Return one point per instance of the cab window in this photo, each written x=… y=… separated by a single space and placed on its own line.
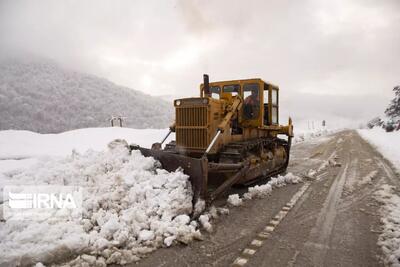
x=233 y=89
x=215 y=92
x=274 y=97
x=266 y=102
x=251 y=105
x=275 y=107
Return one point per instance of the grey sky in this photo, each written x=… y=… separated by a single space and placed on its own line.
x=331 y=58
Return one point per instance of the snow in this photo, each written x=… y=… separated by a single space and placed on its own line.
x=205 y=222
x=199 y=207
x=368 y=178
x=388 y=144
x=21 y=149
x=130 y=207
x=38 y=95
x=26 y=144
x=234 y=200
x=14 y=164
x=262 y=191
x=316 y=135
x=389 y=239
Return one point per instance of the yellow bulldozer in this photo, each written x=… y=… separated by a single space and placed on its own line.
x=229 y=135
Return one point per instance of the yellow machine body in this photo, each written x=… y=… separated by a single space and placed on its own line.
x=228 y=135
x=197 y=119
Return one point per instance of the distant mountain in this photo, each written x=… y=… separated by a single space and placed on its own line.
x=40 y=96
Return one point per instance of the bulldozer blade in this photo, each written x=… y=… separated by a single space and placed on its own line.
x=196 y=169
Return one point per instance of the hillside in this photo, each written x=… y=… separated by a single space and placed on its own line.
x=40 y=96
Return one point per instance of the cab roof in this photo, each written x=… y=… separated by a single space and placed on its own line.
x=242 y=81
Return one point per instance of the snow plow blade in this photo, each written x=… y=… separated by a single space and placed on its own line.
x=196 y=169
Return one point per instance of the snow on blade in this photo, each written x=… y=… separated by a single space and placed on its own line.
x=130 y=207
x=389 y=239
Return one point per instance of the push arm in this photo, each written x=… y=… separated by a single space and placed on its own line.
x=237 y=103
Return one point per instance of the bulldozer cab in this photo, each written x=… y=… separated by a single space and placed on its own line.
x=260 y=100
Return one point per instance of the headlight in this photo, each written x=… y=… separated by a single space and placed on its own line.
x=177 y=102
x=205 y=101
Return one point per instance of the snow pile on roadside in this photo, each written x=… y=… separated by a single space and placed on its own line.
x=261 y=191
x=130 y=207
x=309 y=135
x=388 y=144
x=389 y=239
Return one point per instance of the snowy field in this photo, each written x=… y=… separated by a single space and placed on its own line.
x=26 y=144
x=22 y=149
x=130 y=205
x=388 y=144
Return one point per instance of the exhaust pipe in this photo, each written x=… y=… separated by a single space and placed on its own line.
x=206 y=83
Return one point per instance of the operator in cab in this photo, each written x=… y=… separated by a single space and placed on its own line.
x=251 y=105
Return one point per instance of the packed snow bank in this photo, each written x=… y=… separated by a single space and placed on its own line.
x=261 y=191
x=301 y=136
x=130 y=207
x=389 y=239
x=25 y=144
x=388 y=144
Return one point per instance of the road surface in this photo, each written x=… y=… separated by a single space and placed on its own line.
x=331 y=219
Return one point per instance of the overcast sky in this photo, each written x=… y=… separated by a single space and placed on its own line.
x=333 y=58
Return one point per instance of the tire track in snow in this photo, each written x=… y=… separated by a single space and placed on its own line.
x=261 y=237
x=318 y=243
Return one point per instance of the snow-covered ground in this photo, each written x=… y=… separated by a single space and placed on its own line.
x=301 y=135
x=22 y=149
x=388 y=144
x=130 y=205
x=26 y=144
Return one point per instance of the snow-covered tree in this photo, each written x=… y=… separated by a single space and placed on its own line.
x=393 y=110
x=38 y=95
